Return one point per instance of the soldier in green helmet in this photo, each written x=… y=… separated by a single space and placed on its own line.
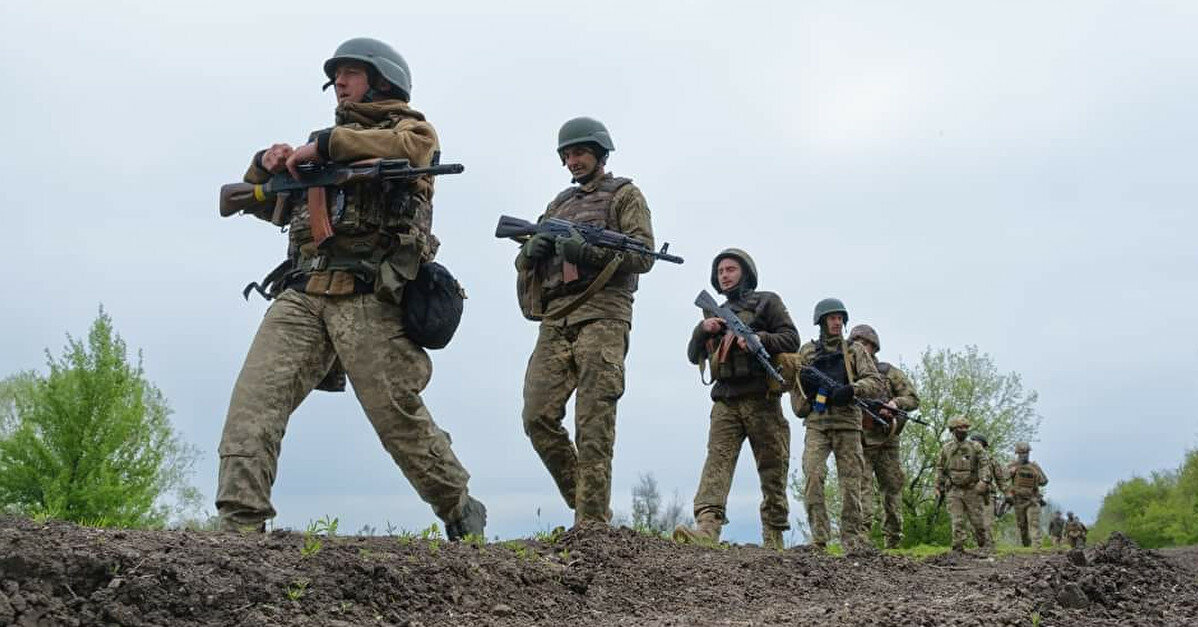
x=587 y=314
x=833 y=421
x=341 y=301
x=999 y=486
x=745 y=405
x=963 y=476
x=1025 y=479
x=881 y=445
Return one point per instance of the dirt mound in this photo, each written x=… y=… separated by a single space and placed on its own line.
x=61 y=574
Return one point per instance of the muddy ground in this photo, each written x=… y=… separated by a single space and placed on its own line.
x=61 y=574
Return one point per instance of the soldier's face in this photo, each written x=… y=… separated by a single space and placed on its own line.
x=351 y=81
x=835 y=323
x=727 y=274
x=580 y=161
x=960 y=433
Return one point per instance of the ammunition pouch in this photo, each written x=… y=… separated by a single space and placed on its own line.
x=432 y=306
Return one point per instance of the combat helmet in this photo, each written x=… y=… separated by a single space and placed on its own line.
x=585 y=130
x=827 y=306
x=748 y=269
x=865 y=332
x=980 y=439
x=958 y=422
x=1022 y=447
x=378 y=55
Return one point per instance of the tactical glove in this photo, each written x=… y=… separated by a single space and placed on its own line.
x=573 y=248
x=538 y=246
x=842 y=395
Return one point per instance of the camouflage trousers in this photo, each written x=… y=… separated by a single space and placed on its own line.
x=1027 y=518
x=965 y=506
x=758 y=419
x=845 y=445
x=295 y=345
x=586 y=360
x=988 y=501
x=882 y=462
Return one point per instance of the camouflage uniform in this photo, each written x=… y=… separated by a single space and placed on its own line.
x=835 y=431
x=329 y=307
x=1075 y=533
x=1026 y=479
x=881 y=450
x=583 y=352
x=963 y=465
x=989 y=499
x=744 y=406
x=1056 y=528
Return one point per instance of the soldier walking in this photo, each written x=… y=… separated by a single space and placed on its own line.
x=1026 y=478
x=1075 y=532
x=342 y=301
x=989 y=500
x=1056 y=528
x=833 y=421
x=582 y=294
x=881 y=446
x=745 y=406
x=963 y=477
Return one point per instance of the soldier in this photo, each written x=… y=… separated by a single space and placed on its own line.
x=583 y=335
x=881 y=446
x=833 y=421
x=744 y=406
x=1056 y=528
x=1026 y=478
x=989 y=501
x=341 y=301
x=1075 y=532
x=963 y=476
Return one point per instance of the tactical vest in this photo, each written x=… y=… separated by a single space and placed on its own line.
x=382 y=233
x=595 y=208
x=963 y=465
x=734 y=363
x=1026 y=479
x=832 y=363
x=884 y=370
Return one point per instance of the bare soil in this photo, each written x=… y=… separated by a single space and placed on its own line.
x=61 y=574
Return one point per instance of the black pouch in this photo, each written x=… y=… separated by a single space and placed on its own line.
x=432 y=306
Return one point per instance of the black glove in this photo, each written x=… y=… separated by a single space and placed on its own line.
x=538 y=246
x=572 y=248
x=810 y=382
x=842 y=395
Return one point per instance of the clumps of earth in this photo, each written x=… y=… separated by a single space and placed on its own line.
x=55 y=573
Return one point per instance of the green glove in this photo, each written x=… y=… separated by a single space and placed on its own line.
x=538 y=246
x=573 y=248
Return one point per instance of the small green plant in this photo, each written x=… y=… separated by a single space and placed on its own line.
x=431 y=532
x=405 y=537
x=344 y=606
x=564 y=555
x=391 y=528
x=297 y=588
x=475 y=539
x=1036 y=618
x=312 y=541
x=549 y=537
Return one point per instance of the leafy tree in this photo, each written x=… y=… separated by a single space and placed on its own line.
x=1157 y=511
x=92 y=442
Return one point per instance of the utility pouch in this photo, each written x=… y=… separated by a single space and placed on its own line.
x=330 y=283
x=400 y=267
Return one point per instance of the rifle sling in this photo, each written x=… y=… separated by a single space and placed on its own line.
x=599 y=283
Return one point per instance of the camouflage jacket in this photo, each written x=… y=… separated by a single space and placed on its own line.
x=1025 y=480
x=739 y=373
x=863 y=375
x=962 y=465
x=900 y=390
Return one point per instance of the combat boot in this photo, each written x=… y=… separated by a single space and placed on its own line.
x=771 y=538
x=706 y=531
x=472 y=522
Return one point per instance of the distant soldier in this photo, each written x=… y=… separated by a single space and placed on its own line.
x=1075 y=532
x=583 y=298
x=745 y=407
x=833 y=421
x=1026 y=479
x=1056 y=528
x=963 y=476
x=881 y=446
x=990 y=501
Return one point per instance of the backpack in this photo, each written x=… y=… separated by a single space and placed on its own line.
x=432 y=306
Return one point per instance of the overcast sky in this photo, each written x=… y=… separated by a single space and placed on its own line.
x=1015 y=175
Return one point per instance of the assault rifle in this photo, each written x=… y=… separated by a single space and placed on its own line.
x=741 y=330
x=314 y=178
x=877 y=405
x=830 y=384
x=518 y=229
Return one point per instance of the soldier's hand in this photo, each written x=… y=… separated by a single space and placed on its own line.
x=885 y=410
x=713 y=325
x=982 y=488
x=743 y=343
x=571 y=248
x=304 y=154
x=274 y=159
x=538 y=246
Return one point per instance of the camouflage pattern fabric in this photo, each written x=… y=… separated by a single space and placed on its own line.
x=845 y=445
x=760 y=420
x=294 y=347
x=883 y=462
x=586 y=360
x=990 y=498
x=1026 y=480
x=1027 y=518
x=1075 y=533
x=867 y=383
x=1056 y=529
x=965 y=505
